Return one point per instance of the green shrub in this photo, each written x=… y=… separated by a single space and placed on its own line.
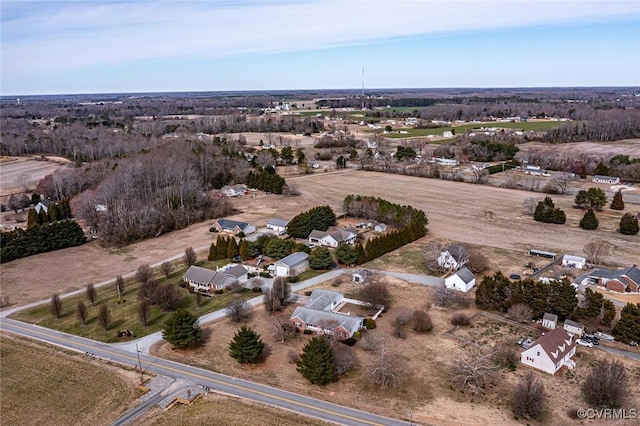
x=370 y=323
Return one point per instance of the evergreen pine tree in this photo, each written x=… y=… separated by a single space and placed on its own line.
x=212 y=252
x=232 y=248
x=316 y=362
x=221 y=248
x=182 y=329
x=246 y=346
x=244 y=249
x=627 y=328
x=361 y=256
x=320 y=258
x=589 y=220
x=32 y=219
x=629 y=224
x=617 y=203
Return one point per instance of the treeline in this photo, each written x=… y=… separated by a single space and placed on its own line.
x=40 y=239
x=381 y=210
x=499 y=293
x=228 y=248
x=608 y=126
x=55 y=212
x=412 y=224
x=266 y=180
x=319 y=218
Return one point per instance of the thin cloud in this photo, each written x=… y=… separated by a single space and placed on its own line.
x=63 y=37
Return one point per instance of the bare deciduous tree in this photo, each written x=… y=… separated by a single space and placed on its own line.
x=144 y=311
x=505 y=356
x=238 y=310
x=421 y=322
x=561 y=182
x=529 y=205
x=281 y=329
x=597 y=251
x=5 y=301
x=344 y=358
x=520 y=312
x=166 y=268
x=143 y=273
x=104 y=316
x=460 y=319
x=81 y=311
x=529 y=398
x=92 y=294
x=474 y=371
x=257 y=283
x=168 y=296
x=607 y=385
x=190 y=257
x=281 y=290
x=270 y=301
x=293 y=357
x=448 y=298
x=388 y=370
x=399 y=322
x=375 y=294
x=120 y=286
x=56 y=306
x=370 y=342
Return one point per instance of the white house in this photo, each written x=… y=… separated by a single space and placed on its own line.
x=574 y=261
x=234 y=190
x=333 y=239
x=233 y=226
x=550 y=321
x=533 y=170
x=573 y=328
x=611 y=180
x=447 y=260
x=550 y=352
x=292 y=265
x=462 y=280
x=278 y=225
x=207 y=281
x=447 y=134
x=380 y=227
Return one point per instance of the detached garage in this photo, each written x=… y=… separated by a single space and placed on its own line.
x=292 y=265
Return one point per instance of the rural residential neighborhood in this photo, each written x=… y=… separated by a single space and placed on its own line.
x=413 y=244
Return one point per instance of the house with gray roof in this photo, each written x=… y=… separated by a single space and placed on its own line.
x=278 y=225
x=462 y=280
x=573 y=328
x=334 y=238
x=208 y=281
x=292 y=265
x=233 y=226
x=320 y=314
x=549 y=321
x=611 y=180
x=622 y=281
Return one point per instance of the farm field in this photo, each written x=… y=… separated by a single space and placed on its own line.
x=630 y=147
x=474 y=214
x=461 y=129
x=42 y=385
x=15 y=170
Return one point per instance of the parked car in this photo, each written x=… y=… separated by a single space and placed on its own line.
x=525 y=343
x=514 y=276
x=592 y=340
x=603 y=336
x=583 y=342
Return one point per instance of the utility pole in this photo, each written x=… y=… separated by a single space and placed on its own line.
x=139 y=365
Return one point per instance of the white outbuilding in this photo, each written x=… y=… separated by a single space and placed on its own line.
x=574 y=261
x=462 y=280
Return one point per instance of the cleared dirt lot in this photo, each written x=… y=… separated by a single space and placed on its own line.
x=474 y=214
x=630 y=147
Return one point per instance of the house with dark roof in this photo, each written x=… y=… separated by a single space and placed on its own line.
x=208 y=281
x=551 y=352
x=622 y=281
x=233 y=226
x=320 y=314
x=462 y=280
x=278 y=225
x=360 y=276
x=292 y=265
x=549 y=321
x=573 y=328
x=43 y=204
x=334 y=238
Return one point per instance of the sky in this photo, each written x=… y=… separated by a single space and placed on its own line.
x=92 y=46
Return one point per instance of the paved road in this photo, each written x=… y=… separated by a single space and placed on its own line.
x=218 y=382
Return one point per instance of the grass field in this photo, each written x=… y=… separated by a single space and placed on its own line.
x=124 y=315
x=437 y=131
x=42 y=385
x=223 y=410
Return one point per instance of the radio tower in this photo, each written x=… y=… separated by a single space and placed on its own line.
x=362 y=87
